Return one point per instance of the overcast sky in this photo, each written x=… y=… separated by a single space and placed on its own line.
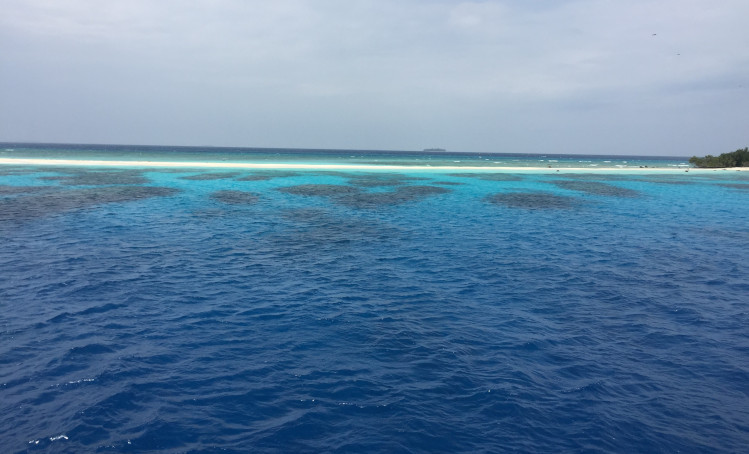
x=668 y=77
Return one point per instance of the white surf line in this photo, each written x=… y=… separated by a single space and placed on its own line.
x=287 y=166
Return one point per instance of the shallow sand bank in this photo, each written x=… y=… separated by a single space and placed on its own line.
x=367 y=167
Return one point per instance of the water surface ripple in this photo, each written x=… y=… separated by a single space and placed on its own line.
x=214 y=314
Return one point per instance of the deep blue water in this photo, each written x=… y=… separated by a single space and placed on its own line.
x=216 y=311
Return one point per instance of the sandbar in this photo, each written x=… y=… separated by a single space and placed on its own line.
x=365 y=167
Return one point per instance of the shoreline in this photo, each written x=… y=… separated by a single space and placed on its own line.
x=368 y=167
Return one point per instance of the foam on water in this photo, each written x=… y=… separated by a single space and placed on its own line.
x=352 y=312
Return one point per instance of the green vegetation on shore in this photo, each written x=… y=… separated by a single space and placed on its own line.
x=738 y=158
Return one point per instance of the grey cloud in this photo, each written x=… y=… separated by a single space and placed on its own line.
x=473 y=76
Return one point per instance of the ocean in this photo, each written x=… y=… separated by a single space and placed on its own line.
x=208 y=310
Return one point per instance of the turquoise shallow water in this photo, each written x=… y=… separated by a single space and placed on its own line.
x=188 y=310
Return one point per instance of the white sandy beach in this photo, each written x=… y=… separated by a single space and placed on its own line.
x=367 y=167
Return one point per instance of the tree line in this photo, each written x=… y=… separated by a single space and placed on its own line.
x=738 y=158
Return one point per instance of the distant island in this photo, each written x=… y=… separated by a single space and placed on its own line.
x=738 y=158
x=434 y=149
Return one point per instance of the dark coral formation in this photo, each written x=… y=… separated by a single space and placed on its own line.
x=598 y=176
x=663 y=179
x=268 y=175
x=27 y=207
x=323 y=190
x=99 y=177
x=488 y=176
x=354 y=197
x=254 y=178
x=596 y=188
x=233 y=197
x=13 y=190
x=740 y=186
x=398 y=196
x=375 y=180
x=533 y=200
x=210 y=176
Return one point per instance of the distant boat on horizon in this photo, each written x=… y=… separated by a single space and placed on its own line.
x=434 y=149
